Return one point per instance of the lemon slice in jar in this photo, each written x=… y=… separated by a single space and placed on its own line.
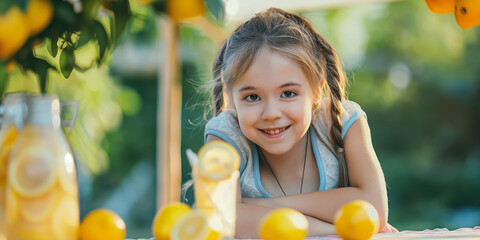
x=217 y=160
x=5 y=149
x=39 y=208
x=11 y=203
x=10 y=137
x=4 y=155
x=32 y=172
x=2 y=208
x=66 y=220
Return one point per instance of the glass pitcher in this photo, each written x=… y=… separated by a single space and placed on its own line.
x=14 y=109
x=41 y=188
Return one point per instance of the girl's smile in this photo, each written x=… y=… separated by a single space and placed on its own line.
x=275 y=132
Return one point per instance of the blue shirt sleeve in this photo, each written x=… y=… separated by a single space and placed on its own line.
x=352 y=112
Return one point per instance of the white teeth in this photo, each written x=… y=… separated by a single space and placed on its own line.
x=275 y=131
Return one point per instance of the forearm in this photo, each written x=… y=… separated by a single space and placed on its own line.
x=318 y=227
x=323 y=205
x=249 y=218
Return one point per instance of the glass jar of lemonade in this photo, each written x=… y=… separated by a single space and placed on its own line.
x=12 y=121
x=41 y=188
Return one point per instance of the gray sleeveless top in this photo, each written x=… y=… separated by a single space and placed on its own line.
x=226 y=127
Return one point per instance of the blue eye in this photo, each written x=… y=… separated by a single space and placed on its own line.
x=289 y=94
x=252 y=98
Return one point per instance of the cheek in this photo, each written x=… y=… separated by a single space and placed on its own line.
x=246 y=122
x=300 y=114
x=246 y=119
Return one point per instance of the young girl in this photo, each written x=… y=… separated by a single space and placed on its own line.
x=279 y=99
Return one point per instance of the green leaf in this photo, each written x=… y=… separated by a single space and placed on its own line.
x=40 y=67
x=65 y=18
x=122 y=14
x=112 y=29
x=3 y=77
x=5 y=6
x=90 y=9
x=86 y=36
x=102 y=39
x=217 y=8
x=52 y=46
x=67 y=61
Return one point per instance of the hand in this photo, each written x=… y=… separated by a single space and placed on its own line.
x=388 y=229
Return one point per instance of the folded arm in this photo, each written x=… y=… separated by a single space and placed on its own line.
x=367 y=182
x=249 y=218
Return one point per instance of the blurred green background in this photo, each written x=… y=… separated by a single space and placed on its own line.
x=416 y=74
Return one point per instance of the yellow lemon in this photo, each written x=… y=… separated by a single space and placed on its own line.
x=441 y=6
x=65 y=221
x=193 y=226
x=166 y=217
x=217 y=160
x=102 y=224
x=357 y=220
x=32 y=172
x=467 y=13
x=283 y=223
x=184 y=9
x=39 y=14
x=14 y=29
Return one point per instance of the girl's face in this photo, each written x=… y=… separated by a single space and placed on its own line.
x=273 y=101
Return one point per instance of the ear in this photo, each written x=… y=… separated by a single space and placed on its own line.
x=230 y=104
x=234 y=110
x=228 y=99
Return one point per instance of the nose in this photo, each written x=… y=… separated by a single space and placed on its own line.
x=271 y=110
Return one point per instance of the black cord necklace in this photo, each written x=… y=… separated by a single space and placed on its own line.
x=303 y=172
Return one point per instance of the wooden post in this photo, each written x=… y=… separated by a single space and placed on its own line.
x=169 y=107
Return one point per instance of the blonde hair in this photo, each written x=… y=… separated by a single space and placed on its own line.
x=294 y=37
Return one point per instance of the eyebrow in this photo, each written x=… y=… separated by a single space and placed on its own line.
x=247 y=88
